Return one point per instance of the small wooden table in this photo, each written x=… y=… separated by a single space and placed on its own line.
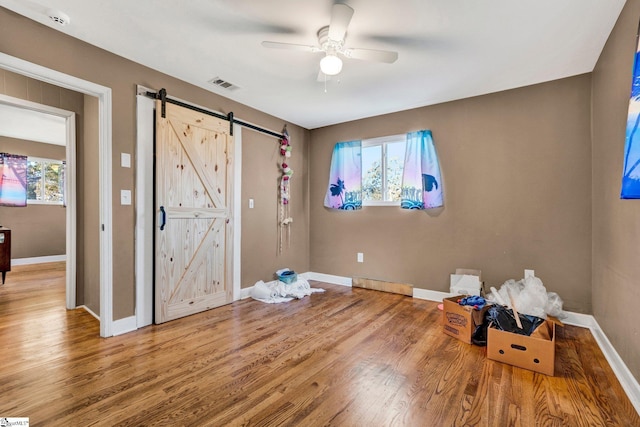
x=5 y=251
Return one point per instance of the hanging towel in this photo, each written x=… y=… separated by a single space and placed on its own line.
x=345 y=177
x=421 y=180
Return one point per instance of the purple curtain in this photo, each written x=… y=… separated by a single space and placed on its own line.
x=13 y=180
x=345 y=177
x=421 y=180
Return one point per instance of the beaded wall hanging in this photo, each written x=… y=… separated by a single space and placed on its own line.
x=285 y=219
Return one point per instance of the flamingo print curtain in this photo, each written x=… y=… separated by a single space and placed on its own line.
x=345 y=177
x=13 y=180
x=421 y=180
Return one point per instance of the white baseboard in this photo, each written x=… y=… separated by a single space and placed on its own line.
x=328 y=278
x=245 y=292
x=428 y=295
x=88 y=310
x=122 y=326
x=38 y=260
x=627 y=380
x=579 y=319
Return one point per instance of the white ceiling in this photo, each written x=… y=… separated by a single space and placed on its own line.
x=30 y=125
x=448 y=49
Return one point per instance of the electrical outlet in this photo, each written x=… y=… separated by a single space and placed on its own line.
x=250 y=203
x=529 y=273
x=360 y=257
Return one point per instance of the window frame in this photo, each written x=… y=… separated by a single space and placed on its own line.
x=382 y=141
x=44 y=162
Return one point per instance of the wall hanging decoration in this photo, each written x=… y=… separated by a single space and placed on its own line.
x=631 y=168
x=345 y=177
x=421 y=180
x=13 y=180
x=285 y=219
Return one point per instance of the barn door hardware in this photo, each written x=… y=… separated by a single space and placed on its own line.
x=162 y=96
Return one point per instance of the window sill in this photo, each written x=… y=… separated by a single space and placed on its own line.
x=397 y=204
x=43 y=202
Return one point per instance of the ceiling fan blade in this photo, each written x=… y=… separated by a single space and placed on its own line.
x=340 y=17
x=371 y=55
x=291 y=46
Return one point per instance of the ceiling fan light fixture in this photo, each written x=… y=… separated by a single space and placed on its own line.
x=331 y=65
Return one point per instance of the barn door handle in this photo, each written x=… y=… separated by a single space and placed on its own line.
x=163 y=218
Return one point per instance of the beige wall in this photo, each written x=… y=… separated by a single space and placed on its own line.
x=33 y=42
x=261 y=181
x=36 y=230
x=616 y=222
x=88 y=208
x=517 y=182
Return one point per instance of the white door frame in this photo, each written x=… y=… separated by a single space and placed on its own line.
x=103 y=94
x=145 y=210
x=70 y=185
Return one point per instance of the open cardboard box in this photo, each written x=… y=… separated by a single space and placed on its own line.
x=536 y=352
x=460 y=321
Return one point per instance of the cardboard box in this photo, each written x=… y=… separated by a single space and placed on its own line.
x=466 y=282
x=535 y=353
x=460 y=321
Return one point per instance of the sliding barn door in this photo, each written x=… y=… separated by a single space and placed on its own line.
x=194 y=230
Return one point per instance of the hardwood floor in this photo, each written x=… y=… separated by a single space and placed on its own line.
x=348 y=357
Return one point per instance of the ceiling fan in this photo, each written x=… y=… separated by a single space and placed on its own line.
x=331 y=40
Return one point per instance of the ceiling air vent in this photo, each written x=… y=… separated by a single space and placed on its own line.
x=223 y=83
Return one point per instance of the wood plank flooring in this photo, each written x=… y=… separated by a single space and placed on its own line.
x=347 y=357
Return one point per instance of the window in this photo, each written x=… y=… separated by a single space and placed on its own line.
x=382 y=165
x=45 y=181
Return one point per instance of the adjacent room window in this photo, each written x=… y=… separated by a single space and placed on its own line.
x=382 y=165
x=45 y=181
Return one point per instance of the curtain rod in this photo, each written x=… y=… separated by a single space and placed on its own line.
x=162 y=95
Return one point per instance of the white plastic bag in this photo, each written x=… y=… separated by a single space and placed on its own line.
x=554 y=305
x=530 y=297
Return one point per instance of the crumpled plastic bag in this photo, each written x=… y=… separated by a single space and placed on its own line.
x=554 y=305
x=530 y=297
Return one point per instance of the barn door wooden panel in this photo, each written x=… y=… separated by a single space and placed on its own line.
x=193 y=246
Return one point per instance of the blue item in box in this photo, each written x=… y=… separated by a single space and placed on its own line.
x=288 y=277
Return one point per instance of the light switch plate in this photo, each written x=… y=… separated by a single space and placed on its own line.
x=125 y=197
x=125 y=160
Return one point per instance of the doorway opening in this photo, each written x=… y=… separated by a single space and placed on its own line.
x=103 y=94
x=68 y=120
